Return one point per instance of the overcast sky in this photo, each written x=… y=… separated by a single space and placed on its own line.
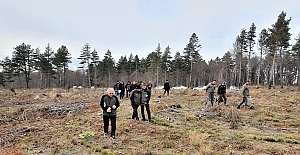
x=136 y=26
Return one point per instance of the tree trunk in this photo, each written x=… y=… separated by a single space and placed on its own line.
x=190 y=80
x=157 y=75
x=298 y=81
x=240 y=69
x=272 y=70
x=259 y=68
x=89 y=75
x=95 y=75
x=48 y=80
x=280 y=67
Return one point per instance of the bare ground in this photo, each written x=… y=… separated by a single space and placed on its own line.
x=57 y=122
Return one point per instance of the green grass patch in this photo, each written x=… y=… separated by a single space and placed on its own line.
x=279 y=140
x=263 y=112
x=72 y=122
x=270 y=139
x=161 y=122
x=238 y=136
x=86 y=134
x=292 y=141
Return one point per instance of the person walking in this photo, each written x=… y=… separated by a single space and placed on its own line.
x=210 y=89
x=222 y=93
x=166 y=87
x=149 y=86
x=109 y=104
x=122 y=90
x=246 y=94
x=127 y=88
x=136 y=100
x=146 y=96
x=116 y=88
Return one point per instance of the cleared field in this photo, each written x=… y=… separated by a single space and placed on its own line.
x=57 y=122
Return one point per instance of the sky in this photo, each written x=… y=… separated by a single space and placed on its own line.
x=136 y=26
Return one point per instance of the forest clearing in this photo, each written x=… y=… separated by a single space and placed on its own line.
x=53 y=121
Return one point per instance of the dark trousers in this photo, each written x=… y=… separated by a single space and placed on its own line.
x=148 y=111
x=166 y=90
x=245 y=100
x=222 y=96
x=135 y=111
x=127 y=92
x=211 y=98
x=112 y=122
x=121 y=94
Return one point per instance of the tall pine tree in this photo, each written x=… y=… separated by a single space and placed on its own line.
x=23 y=59
x=61 y=61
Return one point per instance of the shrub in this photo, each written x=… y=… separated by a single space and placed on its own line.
x=269 y=139
x=233 y=117
x=86 y=134
x=238 y=136
x=292 y=141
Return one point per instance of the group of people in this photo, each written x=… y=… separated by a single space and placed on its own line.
x=139 y=94
x=121 y=89
x=221 y=92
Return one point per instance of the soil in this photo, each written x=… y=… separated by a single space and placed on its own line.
x=42 y=121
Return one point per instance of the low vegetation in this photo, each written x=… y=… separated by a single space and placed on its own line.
x=26 y=126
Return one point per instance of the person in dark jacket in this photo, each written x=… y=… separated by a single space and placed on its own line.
x=246 y=94
x=222 y=93
x=127 y=88
x=109 y=104
x=133 y=86
x=146 y=96
x=166 y=87
x=136 y=100
x=210 y=89
x=122 y=90
x=149 y=85
x=116 y=88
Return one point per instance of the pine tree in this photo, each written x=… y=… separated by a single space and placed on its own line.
x=296 y=55
x=262 y=45
x=7 y=71
x=122 y=65
x=241 y=47
x=23 y=60
x=137 y=66
x=47 y=65
x=228 y=62
x=108 y=67
x=279 y=42
x=130 y=64
x=191 y=55
x=94 y=62
x=61 y=61
x=250 y=42
x=85 y=58
x=178 y=67
x=166 y=60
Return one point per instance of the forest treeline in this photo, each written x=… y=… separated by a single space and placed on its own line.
x=276 y=63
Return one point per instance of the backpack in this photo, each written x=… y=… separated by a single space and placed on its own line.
x=137 y=97
x=144 y=97
x=128 y=86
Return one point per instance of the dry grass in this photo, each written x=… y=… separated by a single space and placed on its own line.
x=11 y=151
x=271 y=128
